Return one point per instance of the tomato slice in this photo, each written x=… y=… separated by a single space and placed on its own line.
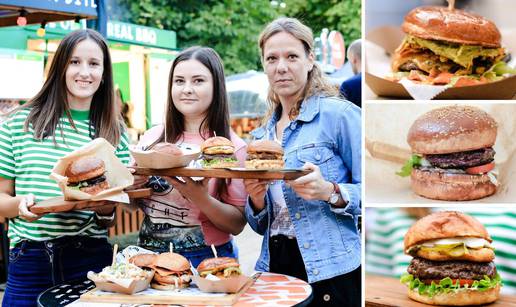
x=481 y=169
x=443 y=78
x=461 y=281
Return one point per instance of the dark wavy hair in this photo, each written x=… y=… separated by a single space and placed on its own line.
x=51 y=102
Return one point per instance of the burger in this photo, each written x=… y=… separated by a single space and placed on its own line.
x=218 y=152
x=222 y=267
x=445 y=46
x=172 y=272
x=453 y=155
x=453 y=261
x=144 y=261
x=264 y=154
x=86 y=173
x=167 y=149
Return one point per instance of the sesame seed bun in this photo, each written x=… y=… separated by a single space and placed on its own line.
x=452 y=129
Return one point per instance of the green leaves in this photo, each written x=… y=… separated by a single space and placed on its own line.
x=405 y=171
x=232 y=27
x=447 y=284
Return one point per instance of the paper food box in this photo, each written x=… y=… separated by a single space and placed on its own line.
x=157 y=160
x=117 y=175
x=225 y=285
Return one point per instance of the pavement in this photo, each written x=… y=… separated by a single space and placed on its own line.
x=249 y=244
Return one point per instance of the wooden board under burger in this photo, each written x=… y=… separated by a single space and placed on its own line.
x=242 y=173
x=389 y=292
x=58 y=204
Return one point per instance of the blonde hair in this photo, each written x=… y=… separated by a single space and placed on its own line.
x=316 y=83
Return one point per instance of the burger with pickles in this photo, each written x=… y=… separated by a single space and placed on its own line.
x=222 y=267
x=453 y=261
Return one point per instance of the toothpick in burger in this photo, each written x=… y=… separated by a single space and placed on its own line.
x=222 y=267
x=218 y=152
x=172 y=272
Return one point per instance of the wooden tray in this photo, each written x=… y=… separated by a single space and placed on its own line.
x=58 y=204
x=389 y=292
x=285 y=174
x=188 y=296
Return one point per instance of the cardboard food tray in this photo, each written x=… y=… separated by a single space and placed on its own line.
x=116 y=173
x=285 y=174
x=58 y=204
x=386 y=39
x=188 y=296
x=389 y=292
x=157 y=160
x=124 y=286
x=387 y=151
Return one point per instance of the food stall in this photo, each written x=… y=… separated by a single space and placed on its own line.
x=141 y=57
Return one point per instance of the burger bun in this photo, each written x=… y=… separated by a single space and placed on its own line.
x=451 y=186
x=456 y=26
x=444 y=224
x=465 y=297
x=167 y=149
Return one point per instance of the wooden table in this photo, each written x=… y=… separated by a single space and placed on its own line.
x=389 y=292
x=269 y=290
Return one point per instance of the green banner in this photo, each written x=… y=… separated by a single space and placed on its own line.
x=120 y=32
x=141 y=35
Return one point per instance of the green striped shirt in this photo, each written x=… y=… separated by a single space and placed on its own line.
x=29 y=162
x=386 y=228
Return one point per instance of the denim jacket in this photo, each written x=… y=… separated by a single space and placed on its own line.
x=327 y=133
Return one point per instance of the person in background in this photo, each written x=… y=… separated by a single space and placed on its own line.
x=75 y=105
x=351 y=88
x=191 y=215
x=309 y=225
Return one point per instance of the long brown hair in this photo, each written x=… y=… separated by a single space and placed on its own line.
x=51 y=103
x=217 y=119
x=317 y=83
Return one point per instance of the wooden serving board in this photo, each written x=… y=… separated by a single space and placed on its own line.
x=151 y=296
x=58 y=204
x=286 y=174
x=389 y=292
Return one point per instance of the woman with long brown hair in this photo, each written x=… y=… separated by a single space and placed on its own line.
x=309 y=224
x=74 y=106
x=191 y=215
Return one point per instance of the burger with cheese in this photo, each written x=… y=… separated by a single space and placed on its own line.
x=222 y=267
x=218 y=152
x=446 y=46
x=453 y=261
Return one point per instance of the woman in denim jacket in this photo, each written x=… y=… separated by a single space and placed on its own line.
x=309 y=224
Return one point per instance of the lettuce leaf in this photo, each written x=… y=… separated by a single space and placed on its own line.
x=446 y=285
x=415 y=160
x=206 y=163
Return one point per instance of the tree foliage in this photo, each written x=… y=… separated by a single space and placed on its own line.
x=232 y=26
